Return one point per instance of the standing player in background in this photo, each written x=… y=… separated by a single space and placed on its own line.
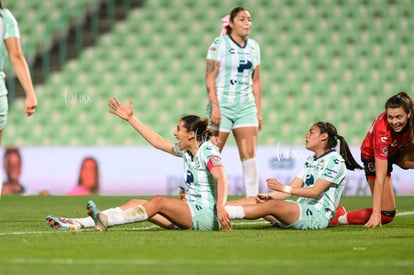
x=10 y=42
x=234 y=91
x=389 y=141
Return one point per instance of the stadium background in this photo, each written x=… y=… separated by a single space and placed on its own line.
x=329 y=60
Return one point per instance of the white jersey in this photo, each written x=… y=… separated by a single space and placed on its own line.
x=234 y=79
x=8 y=29
x=330 y=167
x=200 y=186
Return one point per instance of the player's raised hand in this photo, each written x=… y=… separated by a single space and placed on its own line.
x=122 y=111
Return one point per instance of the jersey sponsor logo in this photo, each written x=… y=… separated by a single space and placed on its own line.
x=383 y=139
x=244 y=65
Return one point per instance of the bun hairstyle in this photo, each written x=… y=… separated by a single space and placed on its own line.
x=198 y=125
x=333 y=137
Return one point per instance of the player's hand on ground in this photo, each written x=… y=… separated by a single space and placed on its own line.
x=374 y=220
x=124 y=112
x=224 y=218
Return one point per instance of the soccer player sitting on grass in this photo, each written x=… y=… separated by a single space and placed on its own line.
x=206 y=182
x=319 y=187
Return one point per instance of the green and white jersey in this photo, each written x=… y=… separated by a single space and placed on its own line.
x=330 y=167
x=8 y=28
x=200 y=186
x=234 y=79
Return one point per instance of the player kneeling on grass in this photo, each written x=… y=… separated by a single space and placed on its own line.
x=319 y=186
x=206 y=183
x=389 y=141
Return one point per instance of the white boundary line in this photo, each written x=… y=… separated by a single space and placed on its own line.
x=405 y=213
x=236 y=222
x=202 y=262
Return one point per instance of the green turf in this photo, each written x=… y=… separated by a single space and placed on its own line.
x=28 y=246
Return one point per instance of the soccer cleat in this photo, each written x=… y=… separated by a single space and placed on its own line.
x=99 y=218
x=340 y=210
x=60 y=223
x=92 y=210
x=102 y=222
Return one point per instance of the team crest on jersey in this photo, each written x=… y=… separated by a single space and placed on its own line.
x=321 y=164
x=212 y=49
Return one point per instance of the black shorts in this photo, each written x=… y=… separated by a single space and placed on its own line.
x=369 y=167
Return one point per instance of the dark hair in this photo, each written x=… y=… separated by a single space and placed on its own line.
x=1 y=5
x=96 y=187
x=12 y=151
x=402 y=99
x=233 y=14
x=198 y=125
x=344 y=151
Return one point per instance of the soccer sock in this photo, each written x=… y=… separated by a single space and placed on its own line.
x=362 y=216
x=235 y=212
x=250 y=177
x=86 y=222
x=115 y=217
x=136 y=214
x=356 y=217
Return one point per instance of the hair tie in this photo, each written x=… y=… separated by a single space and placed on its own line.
x=225 y=23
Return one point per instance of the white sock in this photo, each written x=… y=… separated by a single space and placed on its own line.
x=115 y=217
x=136 y=214
x=235 y=212
x=343 y=219
x=250 y=177
x=86 y=222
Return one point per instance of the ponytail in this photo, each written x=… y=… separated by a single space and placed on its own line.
x=333 y=137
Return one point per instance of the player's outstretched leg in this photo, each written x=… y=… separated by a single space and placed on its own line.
x=61 y=223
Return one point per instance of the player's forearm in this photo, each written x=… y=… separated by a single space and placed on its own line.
x=23 y=74
x=147 y=133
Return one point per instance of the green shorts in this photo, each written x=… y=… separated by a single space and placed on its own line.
x=235 y=116
x=204 y=218
x=309 y=218
x=4 y=106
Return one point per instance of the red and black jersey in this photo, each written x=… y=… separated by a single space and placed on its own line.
x=382 y=141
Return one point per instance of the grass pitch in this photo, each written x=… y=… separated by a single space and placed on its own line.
x=29 y=246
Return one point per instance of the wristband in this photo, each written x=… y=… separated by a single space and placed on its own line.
x=287 y=189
